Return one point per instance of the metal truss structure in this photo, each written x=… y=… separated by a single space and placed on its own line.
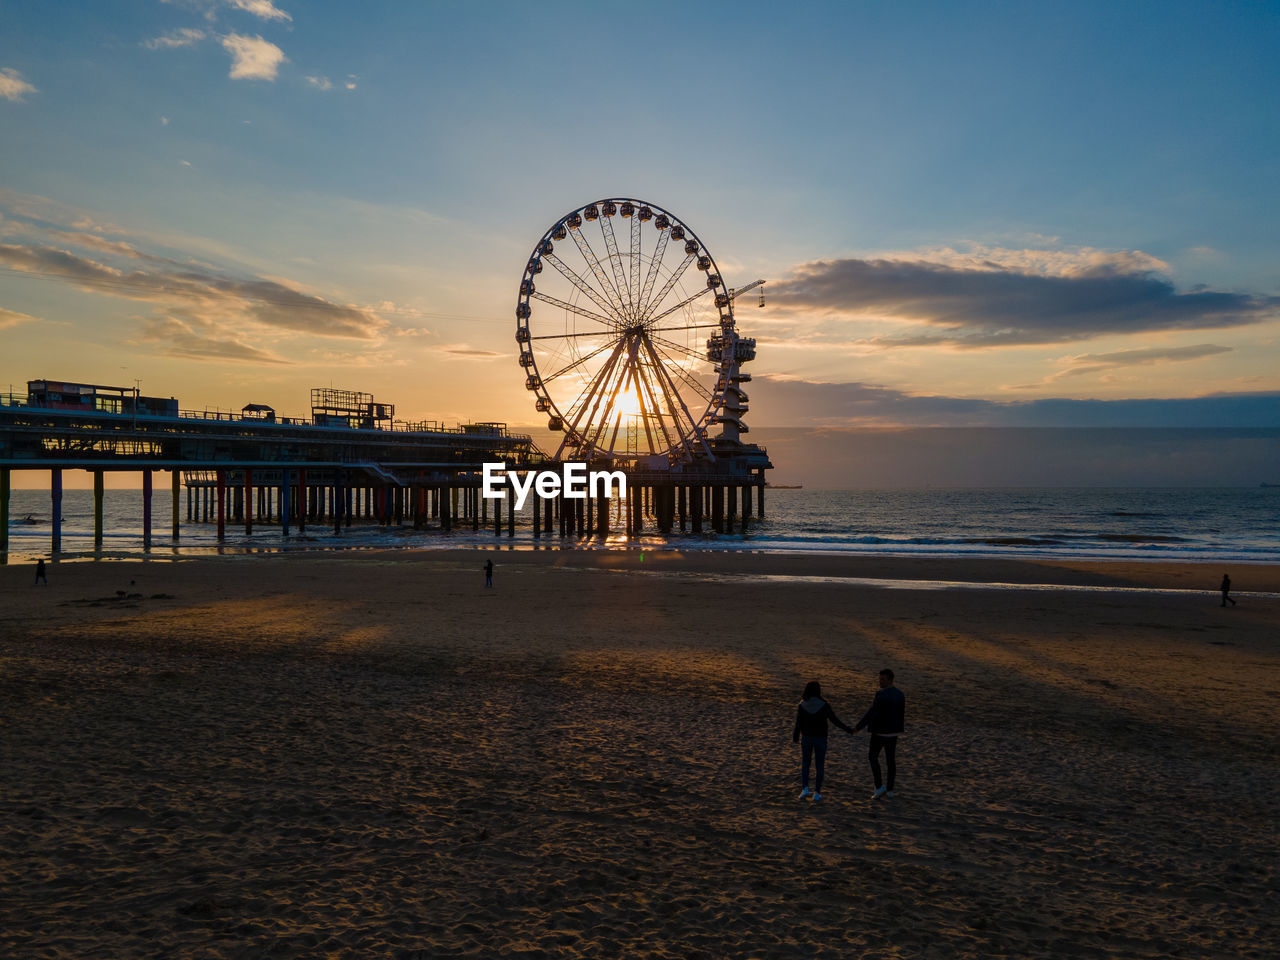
x=631 y=352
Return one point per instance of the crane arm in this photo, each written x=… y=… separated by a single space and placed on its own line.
x=739 y=291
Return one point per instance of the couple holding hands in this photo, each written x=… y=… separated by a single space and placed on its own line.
x=884 y=721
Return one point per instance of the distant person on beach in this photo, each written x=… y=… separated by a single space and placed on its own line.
x=488 y=573
x=40 y=574
x=810 y=732
x=885 y=723
x=1226 y=590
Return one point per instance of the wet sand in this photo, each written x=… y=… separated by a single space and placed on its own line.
x=371 y=755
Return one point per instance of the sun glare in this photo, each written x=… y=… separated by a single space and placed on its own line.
x=628 y=404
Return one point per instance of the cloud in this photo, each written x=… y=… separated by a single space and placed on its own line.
x=799 y=402
x=11 y=318
x=200 y=292
x=351 y=81
x=253 y=58
x=164 y=121
x=184 y=37
x=1095 y=362
x=179 y=340
x=12 y=86
x=260 y=8
x=320 y=83
x=468 y=352
x=1002 y=297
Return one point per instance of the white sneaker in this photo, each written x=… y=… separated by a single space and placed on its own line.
x=880 y=792
x=803 y=793
x=817 y=797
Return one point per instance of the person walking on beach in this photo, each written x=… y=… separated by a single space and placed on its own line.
x=488 y=573
x=1226 y=590
x=810 y=732
x=40 y=574
x=885 y=722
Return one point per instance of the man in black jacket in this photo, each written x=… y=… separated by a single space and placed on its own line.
x=885 y=722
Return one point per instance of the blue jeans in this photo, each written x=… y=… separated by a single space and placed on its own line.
x=815 y=749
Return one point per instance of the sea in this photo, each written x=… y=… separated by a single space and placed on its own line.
x=1240 y=524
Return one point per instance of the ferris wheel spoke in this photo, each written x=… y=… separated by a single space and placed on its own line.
x=571 y=336
x=658 y=253
x=579 y=282
x=683 y=373
x=673 y=389
x=639 y=392
x=688 y=378
x=671 y=395
x=690 y=326
x=634 y=292
x=572 y=308
x=657 y=412
x=610 y=397
x=688 y=351
x=672 y=280
x=606 y=285
x=615 y=261
x=603 y=375
x=580 y=361
x=683 y=303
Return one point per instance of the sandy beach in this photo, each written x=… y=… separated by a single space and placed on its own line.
x=370 y=755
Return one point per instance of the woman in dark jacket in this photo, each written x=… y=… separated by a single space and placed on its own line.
x=811 y=733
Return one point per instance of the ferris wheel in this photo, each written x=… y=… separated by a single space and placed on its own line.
x=626 y=333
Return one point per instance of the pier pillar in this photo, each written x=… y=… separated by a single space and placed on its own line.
x=248 y=501
x=717 y=509
x=511 y=510
x=97 y=509
x=746 y=507
x=302 y=501
x=339 y=498
x=222 y=505
x=348 y=494
x=475 y=509
x=190 y=505
x=733 y=507
x=564 y=515
x=55 y=496
x=537 y=519
x=586 y=515
x=175 y=498
x=760 y=496
x=680 y=502
x=4 y=509
x=285 y=505
x=497 y=516
x=603 y=506
x=146 y=509
x=695 y=501
x=548 y=506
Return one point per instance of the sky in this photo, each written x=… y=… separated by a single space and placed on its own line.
x=968 y=215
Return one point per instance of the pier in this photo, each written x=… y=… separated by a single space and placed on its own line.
x=350 y=462
x=631 y=370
